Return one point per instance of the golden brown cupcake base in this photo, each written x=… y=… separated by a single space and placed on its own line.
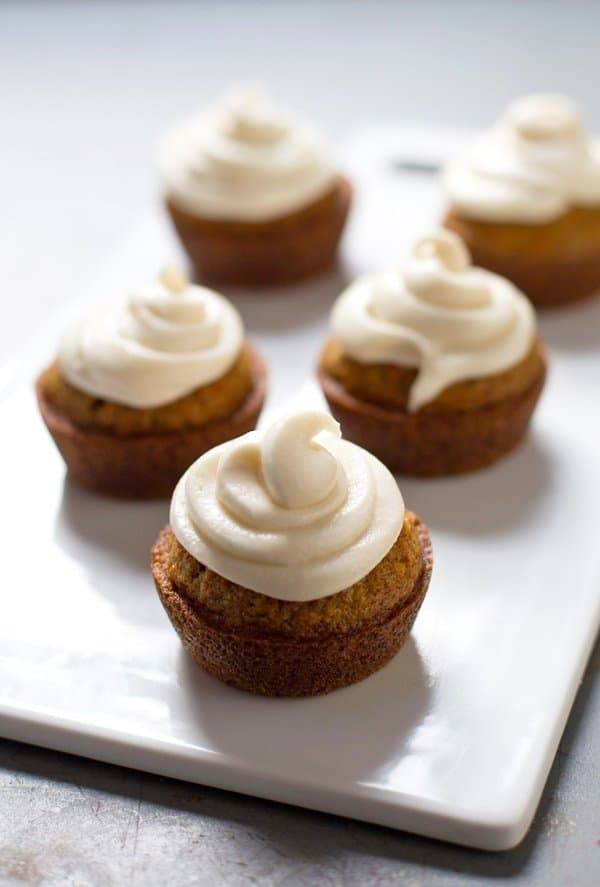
x=210 y=403
x=270 y=253
x=553 y=264
x=430 y=444
x=388 y=385
x=272 y=664
x=147 y=465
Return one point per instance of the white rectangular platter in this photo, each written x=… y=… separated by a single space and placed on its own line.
x=455 y=737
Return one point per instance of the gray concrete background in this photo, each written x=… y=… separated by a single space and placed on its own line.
x=85 y=90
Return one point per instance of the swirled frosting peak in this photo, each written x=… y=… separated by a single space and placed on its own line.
x=533 y=164
x=244 y=159
x=293 y=512
x=448 y=319
x=153 y=345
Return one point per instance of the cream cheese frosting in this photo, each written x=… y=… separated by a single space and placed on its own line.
x=440 y=314
x=245 y=159
x=533 y=164
x=293 y=512
x=154 y=345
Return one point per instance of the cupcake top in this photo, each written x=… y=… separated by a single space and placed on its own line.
x=245 y=159
x=153 y=345
x=531 y=166
x=439 y=314
x=293 y=512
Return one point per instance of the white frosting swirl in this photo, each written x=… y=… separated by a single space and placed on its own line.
x=441 y=315
x=293 y=512
x=154 y=345
x=245 y=160
x=529 y=168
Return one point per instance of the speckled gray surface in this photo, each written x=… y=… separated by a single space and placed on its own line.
x=87 y=88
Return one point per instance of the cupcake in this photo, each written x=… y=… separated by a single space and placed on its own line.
x=146 y=383
x=436 y=369
x=290 y=566
x=526 y=201
x=253 y=193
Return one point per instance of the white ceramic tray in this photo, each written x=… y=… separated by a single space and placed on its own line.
x=455 y=737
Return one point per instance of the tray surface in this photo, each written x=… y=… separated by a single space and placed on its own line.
x=455 y=737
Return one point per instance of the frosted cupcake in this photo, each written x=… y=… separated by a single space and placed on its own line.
x=526 y=200
x=146 y=383
x=253 y=193
x=437 y=368
x=290 y=566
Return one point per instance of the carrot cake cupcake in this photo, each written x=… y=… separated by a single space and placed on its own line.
x=526 y=201
x=253 y=193
x=436 y=369
x=290 y=566
x=146 y=383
